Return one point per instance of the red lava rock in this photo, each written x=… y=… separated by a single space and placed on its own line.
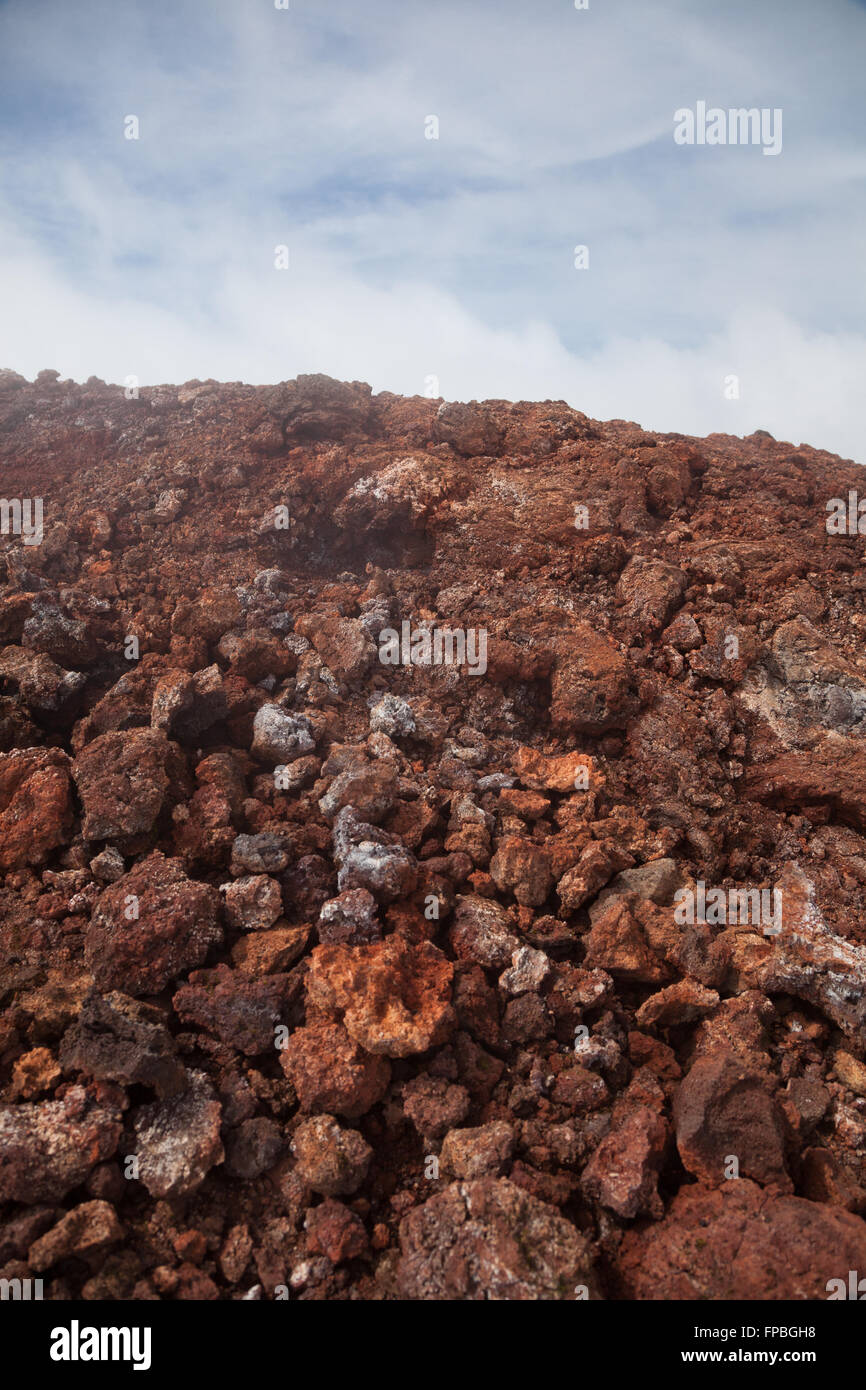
x=235 y=1254
x=87 y=1231
x=522 y=867
x=561 y=772
x=527 y=1019
x=350 y=919
x=316 y=407
x=368 y=859
x=52 y=695
x=806 y=959
x=33 y=1074
x=280 y=737
x=255 y=655
x=830 y=775
x=737 y=1242
x=150 y=925
x=592 y=686
x=35 y=805
x=618 y=944
x=258 y=885
x=123 y=781
x=650 y=591
x=270 y=952
x=482 y=932
x=490 y=1240
x=404 y=492
x=190 y=1246
x=476 y=1005
x=683 y=1002
x=185 y=705
x=591 y=872
x=468 y=1154
x=371 y=790
x=470 y=428
x=49 y=1148
x=723 y=1109
x=394 y=998
x=242 y=1012
x=208 y=617
x=434 y=1105
x=330 y=1160
x=333 y=1230
x=527 y=973
x=112 y=1040
x=580 y=1089
x=262 y=854
x=253 y=903
x=331 y=1072
x=253 y=1148
x=623 y=1172
x=344 y=646
x=529 y=805
x=826 y=1179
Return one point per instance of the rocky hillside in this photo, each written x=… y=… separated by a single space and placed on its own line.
x=432 y=851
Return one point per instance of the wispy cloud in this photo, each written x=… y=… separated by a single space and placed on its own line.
x=452 y=257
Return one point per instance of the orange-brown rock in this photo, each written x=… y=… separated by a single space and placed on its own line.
x=451 y=889
x=394 y=997
x=738 y=1242
x=35 y=805
x=557 y=772
x=331 y=1072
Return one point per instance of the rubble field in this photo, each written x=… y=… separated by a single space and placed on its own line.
x=390 y=793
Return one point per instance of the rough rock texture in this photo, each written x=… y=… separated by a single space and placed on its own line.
x=331 y=1072
x=86 y=1231
x=35 y=805
x=114 y=1040
x=331 y=1160
x=49 y=1148
x=332 y=963
x=393 y=997
x=491 y=1240
x=178 y=1140
x=149 y=925
x=123 y=780
x=742 y=1243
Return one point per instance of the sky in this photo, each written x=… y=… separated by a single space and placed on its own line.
x=724 y=289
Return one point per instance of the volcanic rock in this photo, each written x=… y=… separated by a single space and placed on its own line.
x=623 y=1172
x=331 y=1160
x=489 y=1239
x=123 y=780
x=258 y=886
x=331 y=1072
x=149 y=925
x=108 y=1041
x=178 y=1140
x=49 y=1148
x=87 y=1231
x=393 y=997
x=737 y=1242
x=468 y=1154
x=35 y=805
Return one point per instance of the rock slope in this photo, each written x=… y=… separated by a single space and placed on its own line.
x=432 y=853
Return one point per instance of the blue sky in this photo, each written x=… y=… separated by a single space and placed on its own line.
x=453 y=259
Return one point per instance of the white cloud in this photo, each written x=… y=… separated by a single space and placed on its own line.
x=453 y=258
